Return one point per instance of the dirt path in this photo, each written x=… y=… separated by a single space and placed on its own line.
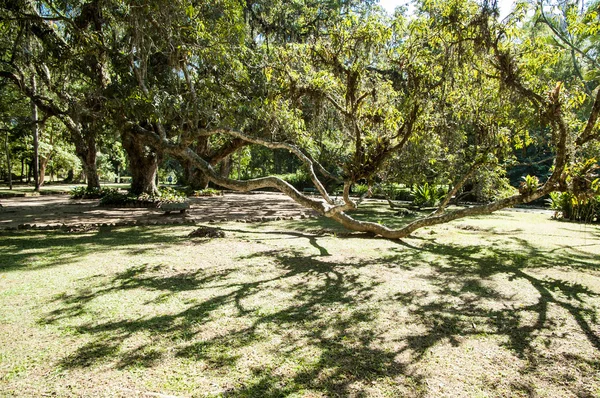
x=55 y=210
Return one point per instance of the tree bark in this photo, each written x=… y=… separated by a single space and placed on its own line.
x=43 y=165
x=225 y=168
x=8 y=164
x=35 y=131
x=85 y=148
x=193 y=176
x=143 y=164
x=22 y=169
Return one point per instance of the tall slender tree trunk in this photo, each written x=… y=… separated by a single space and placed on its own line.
x=44 y=160
x=8 y=165
x=34 y=121
x=143 y=164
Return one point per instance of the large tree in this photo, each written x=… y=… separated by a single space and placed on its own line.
x=446 y=91
x=53 y=52
x=447 y=76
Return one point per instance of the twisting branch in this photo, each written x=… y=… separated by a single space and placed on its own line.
x=244 y=186
x=291 y=148
x=588 y=134
x=45 y=104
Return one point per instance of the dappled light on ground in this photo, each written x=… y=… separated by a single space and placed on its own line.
x=268 y=312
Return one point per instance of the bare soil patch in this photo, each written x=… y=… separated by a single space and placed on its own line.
x=54 y=210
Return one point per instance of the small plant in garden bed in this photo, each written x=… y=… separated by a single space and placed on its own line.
x=116 y=198
x=207 y=192
x=169 y=195
x=91 y=193
x=165 y=195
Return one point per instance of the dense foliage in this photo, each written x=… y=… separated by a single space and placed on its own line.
x=335 y=96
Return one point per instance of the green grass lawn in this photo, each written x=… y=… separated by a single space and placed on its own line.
x=505 y=305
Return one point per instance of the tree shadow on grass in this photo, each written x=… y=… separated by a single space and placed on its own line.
x=322 y=311
x=317 y=331
x=467 y=306
x=31 y=250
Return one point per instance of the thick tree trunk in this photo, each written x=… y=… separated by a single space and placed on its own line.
x=85 y=148
x=198 y=180
x=143 y=163
x=192 y=176
x=195 y=177
x=225 y=169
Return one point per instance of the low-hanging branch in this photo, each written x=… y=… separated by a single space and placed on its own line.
x=549 y=106
x=337 y=212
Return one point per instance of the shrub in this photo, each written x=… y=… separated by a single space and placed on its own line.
x=427 y=195
x=164 y=195
x=91 y=193
x=116 y=198
x=490 y=184
x=569 y=206
x=360 y=189
x=395 y=191
x=169 y=195
x=298 y=180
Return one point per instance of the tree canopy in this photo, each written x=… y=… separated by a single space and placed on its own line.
x=446 y=94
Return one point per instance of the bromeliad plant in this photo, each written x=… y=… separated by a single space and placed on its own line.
x=427 y=195
x=581 y=199
x=529 y=184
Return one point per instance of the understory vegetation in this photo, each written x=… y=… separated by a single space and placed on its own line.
x=117 y=197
